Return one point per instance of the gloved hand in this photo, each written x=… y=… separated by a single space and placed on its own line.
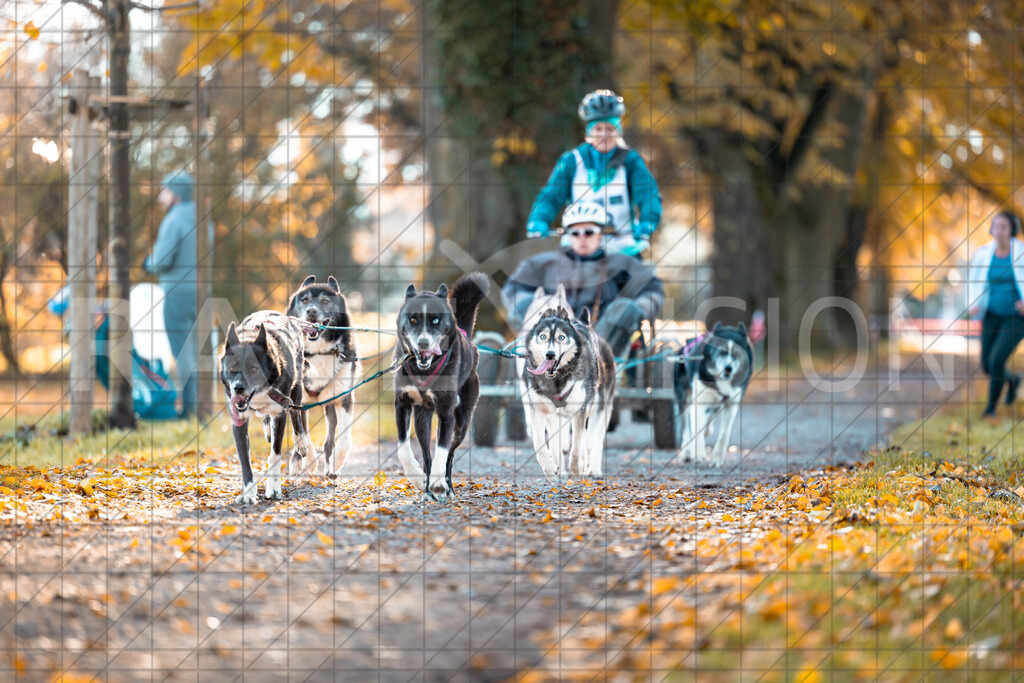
x=618 y=323
x=635 y=249
x=537 y=229
x=643 y=231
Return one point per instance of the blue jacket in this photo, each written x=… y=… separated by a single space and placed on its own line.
x=643 y=189
x=174 y=254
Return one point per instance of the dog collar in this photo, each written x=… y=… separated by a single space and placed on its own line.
x=563 y=396
x=692 y=343
x=280 y=399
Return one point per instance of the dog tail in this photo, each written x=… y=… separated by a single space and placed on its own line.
x=467 y=293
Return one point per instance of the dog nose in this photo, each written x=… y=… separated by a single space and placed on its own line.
x=728 y=370
x=424 y=344
x=238 y=388
x=551 y=355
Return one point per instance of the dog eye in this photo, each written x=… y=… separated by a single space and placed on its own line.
x=412 y=320
x=324 y=300
x=542 y=336
x=435 y=321
x=561 y=337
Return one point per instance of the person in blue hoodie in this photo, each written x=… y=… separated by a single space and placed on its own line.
x=604 y=169
x=173 y=261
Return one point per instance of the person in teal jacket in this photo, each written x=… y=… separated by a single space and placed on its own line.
x=173 y=261
x=604 y=169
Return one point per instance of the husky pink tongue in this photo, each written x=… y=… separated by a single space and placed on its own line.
x=542 y=368
x=434 y=350
x=236 y=417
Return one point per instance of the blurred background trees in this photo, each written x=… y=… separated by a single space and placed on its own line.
x=854 y=151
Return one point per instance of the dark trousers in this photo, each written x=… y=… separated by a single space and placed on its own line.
x=1000 y=335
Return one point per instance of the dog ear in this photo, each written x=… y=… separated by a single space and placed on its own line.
x=442 y=291
x=232 y=337
x=585 y=316
x=334 y=284
x=562 y=313
x=310 y=279
x=410 y=291
x=716 y=328
x=261 y=337
x=742 y=328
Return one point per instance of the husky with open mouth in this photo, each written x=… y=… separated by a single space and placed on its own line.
x=331 y=367
x=438 y=376
x=568 y=389
x=261 y=370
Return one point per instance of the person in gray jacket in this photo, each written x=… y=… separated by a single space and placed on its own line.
x=619 y=289
x=173 y=261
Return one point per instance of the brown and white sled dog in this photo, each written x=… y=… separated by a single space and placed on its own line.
x=261 y=371
x=331 y=368
x=542 y=302
x=569 y=380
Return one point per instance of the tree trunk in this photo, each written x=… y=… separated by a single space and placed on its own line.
x=468 y=201
x=797 y=242
x=741 y=261
x=83 y=200
x=122 y=414
x=7 y=346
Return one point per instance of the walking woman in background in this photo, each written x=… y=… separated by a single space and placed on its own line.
x=995 y=283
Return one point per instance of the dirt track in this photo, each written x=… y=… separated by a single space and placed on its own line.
x=168 y=579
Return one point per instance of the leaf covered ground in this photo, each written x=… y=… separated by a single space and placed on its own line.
x=789 y=566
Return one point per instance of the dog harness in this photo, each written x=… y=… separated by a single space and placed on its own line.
x=441 y=364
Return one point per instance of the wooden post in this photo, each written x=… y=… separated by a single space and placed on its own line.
x=83 y=227
x=122 y=409
x=205 y=333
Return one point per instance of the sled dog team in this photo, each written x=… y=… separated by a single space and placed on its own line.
x=272 y=363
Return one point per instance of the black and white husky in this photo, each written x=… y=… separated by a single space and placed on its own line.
x=438 y=376
x=331 y=368
x=568 y=389
x=710 y=385
x=261 y=370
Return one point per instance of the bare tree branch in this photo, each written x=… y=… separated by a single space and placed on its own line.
x=165 y=8
x=96 y=10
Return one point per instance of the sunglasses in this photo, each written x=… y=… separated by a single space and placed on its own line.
x=586 y=232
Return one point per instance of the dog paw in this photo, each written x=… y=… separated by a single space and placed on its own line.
x=296 y=464
x=273 y=491
x=249 y=496
x=428 y=496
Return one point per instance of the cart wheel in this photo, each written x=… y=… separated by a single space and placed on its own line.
x=665 y=413
x=666 y=425
x=485 y=417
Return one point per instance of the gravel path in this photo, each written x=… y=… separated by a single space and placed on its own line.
x=163 y=577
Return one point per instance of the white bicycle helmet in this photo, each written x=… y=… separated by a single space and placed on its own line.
x=585 y=212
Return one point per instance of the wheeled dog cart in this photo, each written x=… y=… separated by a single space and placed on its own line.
x=647 y=386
